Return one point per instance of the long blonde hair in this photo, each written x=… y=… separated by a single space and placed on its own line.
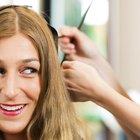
x=54 y=117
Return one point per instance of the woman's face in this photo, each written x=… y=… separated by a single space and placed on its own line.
x=19 y=83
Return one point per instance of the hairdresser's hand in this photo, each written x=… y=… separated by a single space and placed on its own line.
x=82 y=81
x=81 y=49
x=84 y=50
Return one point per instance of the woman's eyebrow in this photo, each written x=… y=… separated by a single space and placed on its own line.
x=29 y=60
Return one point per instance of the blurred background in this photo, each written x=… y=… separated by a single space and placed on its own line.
x=114 y=26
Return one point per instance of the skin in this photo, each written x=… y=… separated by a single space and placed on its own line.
x=19 y=84
x=84 y=50
x=101 y=93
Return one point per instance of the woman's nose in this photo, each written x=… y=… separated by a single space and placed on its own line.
x=9 y=86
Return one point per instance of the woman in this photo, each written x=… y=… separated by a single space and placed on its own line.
x=34 y=103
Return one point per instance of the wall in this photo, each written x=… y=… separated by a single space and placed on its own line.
x=36 y=4
x=124 y=44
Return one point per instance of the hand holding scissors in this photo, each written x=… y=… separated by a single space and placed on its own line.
x=79 y=27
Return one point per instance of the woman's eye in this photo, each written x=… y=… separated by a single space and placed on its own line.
x=2 y=71
x=29 y=70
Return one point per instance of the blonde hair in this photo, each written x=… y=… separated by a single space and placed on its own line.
x=54 y=117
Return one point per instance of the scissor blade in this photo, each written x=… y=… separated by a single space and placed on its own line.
x=79 y=27
x=84 y=16
x=82 y=20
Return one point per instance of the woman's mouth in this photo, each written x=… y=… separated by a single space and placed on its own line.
x=12 y=109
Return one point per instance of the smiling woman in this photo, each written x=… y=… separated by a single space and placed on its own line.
x=34 y=103
x=19 y=83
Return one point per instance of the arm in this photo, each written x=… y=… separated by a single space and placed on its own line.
x=85 y=51
x=76 y=74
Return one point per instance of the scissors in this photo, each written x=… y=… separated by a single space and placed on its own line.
x=79 y=27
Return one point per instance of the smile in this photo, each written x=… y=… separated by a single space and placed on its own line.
x=12 y=110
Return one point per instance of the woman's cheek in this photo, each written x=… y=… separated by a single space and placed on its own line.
x=32 y=88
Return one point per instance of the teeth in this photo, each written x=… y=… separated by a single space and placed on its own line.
x=11 y=108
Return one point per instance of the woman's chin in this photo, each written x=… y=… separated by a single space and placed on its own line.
x=12 y=129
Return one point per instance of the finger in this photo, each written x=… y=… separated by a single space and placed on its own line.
x=65 y=30
x=64 y=40
x=67 y=51
x=67 y=46
x=72 y=56
x=69 y=54
x=68 y=31
x=66 y=64
x=70 y=65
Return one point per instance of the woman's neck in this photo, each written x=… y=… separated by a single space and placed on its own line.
x=14 y=137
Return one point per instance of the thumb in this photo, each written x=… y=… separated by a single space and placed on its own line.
x=66 y=64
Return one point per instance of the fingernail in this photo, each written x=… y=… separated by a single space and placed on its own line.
x=71 y=47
